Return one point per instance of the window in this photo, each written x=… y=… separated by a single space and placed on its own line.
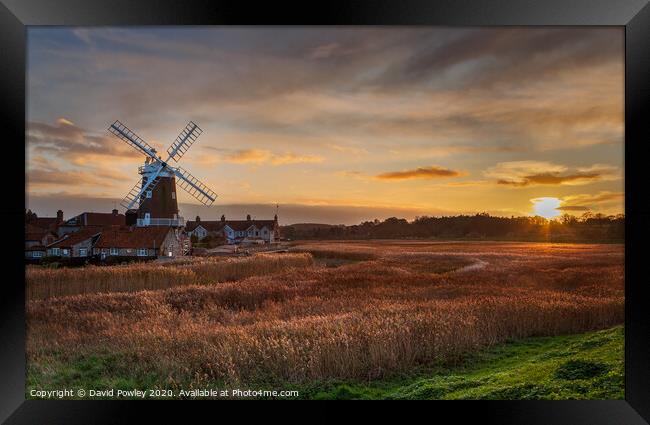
x=66 y=252
x=142 y=252
x=83 y=252
x=56 y=251
x=115 y=251
x=173 y=195
x=148 y=194
x=37 y=254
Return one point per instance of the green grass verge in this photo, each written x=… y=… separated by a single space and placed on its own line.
x=584 y=366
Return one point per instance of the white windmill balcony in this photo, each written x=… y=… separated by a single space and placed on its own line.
x=174 y=222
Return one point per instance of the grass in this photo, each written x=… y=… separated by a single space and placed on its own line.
x=408 y=306
x=582 y=366
x=43 y=283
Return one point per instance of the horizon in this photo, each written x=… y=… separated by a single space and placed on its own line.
x=337 y=126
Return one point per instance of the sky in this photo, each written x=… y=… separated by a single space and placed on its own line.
x=333 y=124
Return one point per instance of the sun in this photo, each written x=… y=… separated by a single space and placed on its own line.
x=546 y=207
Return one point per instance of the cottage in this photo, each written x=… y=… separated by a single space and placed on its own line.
x=50 y=224
x=36 y=239
x=153 y=241
x=86 y=219
x=75 y=245
x=236 y=231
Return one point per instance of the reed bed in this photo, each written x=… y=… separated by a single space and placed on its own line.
x=42 y=283
x=364 y=320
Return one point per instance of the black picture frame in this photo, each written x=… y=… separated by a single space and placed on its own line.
x=634 y=15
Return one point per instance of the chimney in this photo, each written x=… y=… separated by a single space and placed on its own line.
x=198 y=219
x=114 y=212
x=248 y=217
x=223 y=217
x=59 y=216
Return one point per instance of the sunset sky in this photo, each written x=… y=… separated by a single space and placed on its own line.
x=336 y=124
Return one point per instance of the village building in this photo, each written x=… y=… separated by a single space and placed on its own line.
x=236 y=231
x=151 y=242
x=87 y=219
x=45 y=223
x=75 y=245
x=36 y=239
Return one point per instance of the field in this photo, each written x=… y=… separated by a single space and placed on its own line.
x=340 y=318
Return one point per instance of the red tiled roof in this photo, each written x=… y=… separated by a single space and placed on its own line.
x=35 y=233
x=74 y=238
x=34 y=236
x=139 y=237
x=96 y=219
x=45 y=223
x=30 y=228
x=35 y=248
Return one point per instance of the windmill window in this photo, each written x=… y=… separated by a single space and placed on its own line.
x=148 y=194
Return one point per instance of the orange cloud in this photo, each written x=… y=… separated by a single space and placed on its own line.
x=531 y=173
x=256 y=156
x=582 y=202
x=419 y=173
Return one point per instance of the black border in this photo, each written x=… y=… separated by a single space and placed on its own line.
x=15 y=15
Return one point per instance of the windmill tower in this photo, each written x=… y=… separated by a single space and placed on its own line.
x=153 y=198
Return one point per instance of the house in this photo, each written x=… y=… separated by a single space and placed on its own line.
x=36 y=239
x=75 y=245
x=50 y=224
x=201 y=229
x=236 y=231
x=152 y=241
x=35 y=252
x=86 y=219
x=38 y=236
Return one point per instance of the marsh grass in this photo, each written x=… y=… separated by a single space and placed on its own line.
x=293 y=323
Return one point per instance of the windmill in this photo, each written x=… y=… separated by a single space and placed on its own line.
x=154 y=195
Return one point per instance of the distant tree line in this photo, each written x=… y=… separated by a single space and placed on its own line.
x=588 y=227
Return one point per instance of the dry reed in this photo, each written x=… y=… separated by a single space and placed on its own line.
x=359 y=321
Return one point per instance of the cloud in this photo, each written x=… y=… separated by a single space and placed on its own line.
x=45 y=173
x=324 y=51
x=72 y=143
x=258 y=156
x=419 y=173
x=483 y=58
x=572 y=208
x=585 y=202
x=532 y=173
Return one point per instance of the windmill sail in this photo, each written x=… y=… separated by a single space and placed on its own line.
x=188 y=136
x=132 y=139
x=135 y=194
x=194 y=187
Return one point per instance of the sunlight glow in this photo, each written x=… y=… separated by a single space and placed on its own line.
x=546 y=207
